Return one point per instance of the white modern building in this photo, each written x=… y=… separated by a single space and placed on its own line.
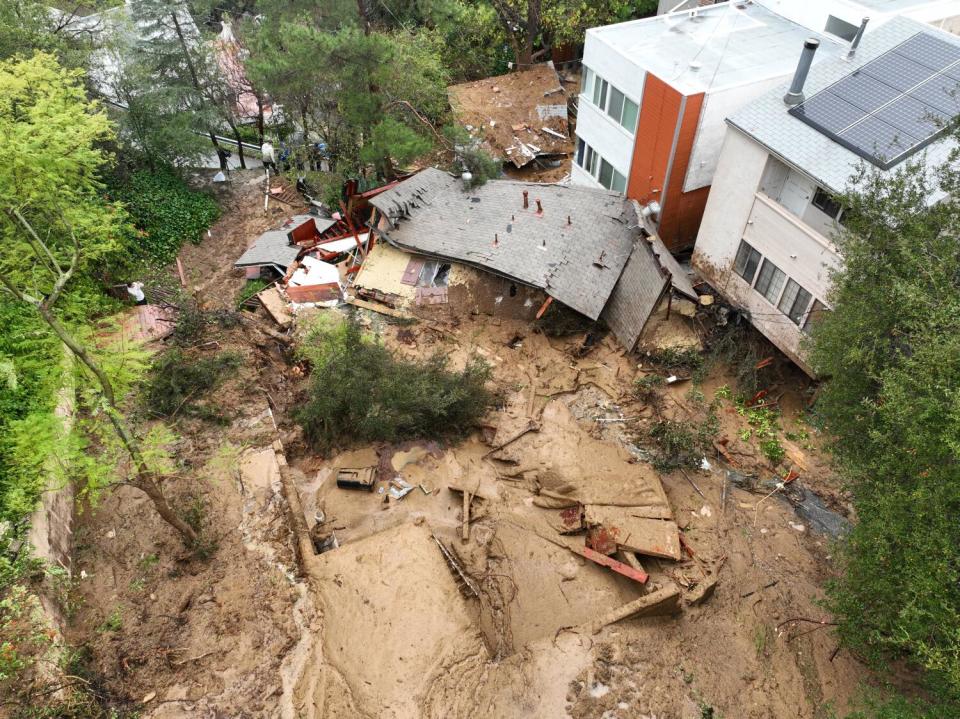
x=765 y=240
x=655 y=94
x=843 y=17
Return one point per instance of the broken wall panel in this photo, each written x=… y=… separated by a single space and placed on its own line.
x=638 y=292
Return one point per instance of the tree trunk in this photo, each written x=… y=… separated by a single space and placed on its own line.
x=236 y=134
x=146 y=482
x=260 y=116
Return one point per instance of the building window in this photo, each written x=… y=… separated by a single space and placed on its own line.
x=794 y=301
x=586 y=88
x=619 y=183
x=630 y=114
x=825 y=202
x=590 y=160
x=605 y=96
x=770 y=281
x=600 y=92
x=814 y=316
x=746 y=262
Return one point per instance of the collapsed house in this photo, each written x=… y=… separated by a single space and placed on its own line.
x=516 y=117
x=579 y=246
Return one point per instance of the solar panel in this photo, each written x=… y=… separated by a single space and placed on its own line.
x=892 y=106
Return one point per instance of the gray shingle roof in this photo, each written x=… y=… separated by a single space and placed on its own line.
x=577 y=263
x=271 y=248
x=637 y=294
x=766 y=119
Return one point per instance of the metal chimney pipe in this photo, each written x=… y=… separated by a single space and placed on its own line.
x=539 y=208
x=855 y=43
x=794 y=95
x=525 y=203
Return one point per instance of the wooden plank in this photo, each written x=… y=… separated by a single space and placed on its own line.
x=618 y=567
x=382 y=309
x=654 y=537
x=275 y=306
x=663 y=601
x=465 y=527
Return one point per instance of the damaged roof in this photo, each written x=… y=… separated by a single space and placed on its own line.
x=574 y=249
x=517 y=116
x=271 y=248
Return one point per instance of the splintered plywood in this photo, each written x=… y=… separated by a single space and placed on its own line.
x=384 y=270
x=394 y=620
x=276 y=306
x=517 y=116
x=653 y=537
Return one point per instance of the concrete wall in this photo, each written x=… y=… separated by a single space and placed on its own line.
x=737 y=210
x=594 y=126
x=51 y=525
x=717 y=107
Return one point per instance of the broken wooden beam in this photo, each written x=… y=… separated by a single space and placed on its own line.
x=661 y=602
x=465 y=527
x=382 y=309
x=619 y=567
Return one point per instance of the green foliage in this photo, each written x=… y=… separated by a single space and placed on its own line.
x=251 y=288
x=891 y=351
x=177 y=382
x=472 y=42
x=166 y=212
x=680 y=443
x=393 y=142
x=683 y=360
x=765 y=424
x=361 y=393
x=469 y=156
x=113 y=622
x=646 y=388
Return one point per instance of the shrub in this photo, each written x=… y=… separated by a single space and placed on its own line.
x=166 y=212
x=679 y=443
x=176 y=382
x=683 y=360
x=360 y=392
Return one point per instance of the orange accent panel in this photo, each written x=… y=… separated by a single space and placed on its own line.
x=659 y=114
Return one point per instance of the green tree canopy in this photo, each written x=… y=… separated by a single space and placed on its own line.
x=890 y=350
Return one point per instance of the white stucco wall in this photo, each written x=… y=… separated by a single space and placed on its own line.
x=712 y=126
x=736 y=210
x=594 y=126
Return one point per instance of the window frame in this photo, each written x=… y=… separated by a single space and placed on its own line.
x=777 y=278
x=752 y=253
x=826 y=203
x=795 y=311
x=586 y=84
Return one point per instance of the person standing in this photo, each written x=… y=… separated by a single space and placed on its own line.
x=269 y=158
x=135 y=290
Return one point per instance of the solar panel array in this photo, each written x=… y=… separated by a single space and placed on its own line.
x=892 y=106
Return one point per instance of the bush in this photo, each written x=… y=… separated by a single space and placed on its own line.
x=360 y=392
x=681 y=443
x=166 y=212
x=176 y=382
x=683 y=360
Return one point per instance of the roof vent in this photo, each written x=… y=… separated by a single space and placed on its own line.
x=794 y=95
x=855 y=43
